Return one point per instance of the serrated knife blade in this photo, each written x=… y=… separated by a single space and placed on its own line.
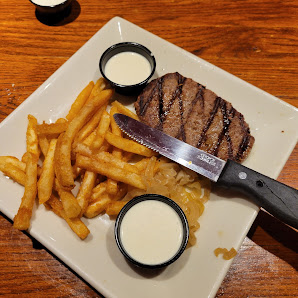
x=277 y=198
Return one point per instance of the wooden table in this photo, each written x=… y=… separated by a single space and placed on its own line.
x=254 y=40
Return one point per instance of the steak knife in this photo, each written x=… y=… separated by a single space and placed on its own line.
x=277 y=198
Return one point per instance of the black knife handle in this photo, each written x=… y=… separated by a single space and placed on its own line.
x=277 y=198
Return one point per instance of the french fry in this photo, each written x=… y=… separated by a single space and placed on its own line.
x=70 y=205
x=123 y=110
x=43 y=144
x=45 y=129
x=97 y=207
x=128 y=145
x=85 y=190
x=46 y=180
x=115 y=173
x=80 y=101
x=114 y=207
x=74 y=223
x=101 y=131
x=63 y=163
x=90 y=126
x=15 y=173
x=100 y=85
x=112 y=186
x=31 y=137
x=22 y=218
x=5 y=160
x=97 y=191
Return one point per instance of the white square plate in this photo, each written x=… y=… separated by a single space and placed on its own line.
x=227 y=218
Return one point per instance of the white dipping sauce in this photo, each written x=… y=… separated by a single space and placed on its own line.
x=151 y=232
x=48 y=2
x=127 y=68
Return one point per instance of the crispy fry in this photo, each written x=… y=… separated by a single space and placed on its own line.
x=115 y=173
x=15 y=173
x=85 y=190
x=74 y=223
x=80 y=101
x=31 y=136
x=97 y=191
x=43 y=144
x=51 y=129
x=22 y=219
x=70 y=205
x=128 y=145
x=101 y=131
x=123 y=110
x=100 y=85
x=46 y=180
x=90 y=126
x=5 y=160
x=97 y=207
x=63 y=162
x=112 y=186
x=114 y=207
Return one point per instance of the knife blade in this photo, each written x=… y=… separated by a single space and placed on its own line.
x=277 y=198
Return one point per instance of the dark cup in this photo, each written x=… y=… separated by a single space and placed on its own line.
x=127 y=47
x=170 y=203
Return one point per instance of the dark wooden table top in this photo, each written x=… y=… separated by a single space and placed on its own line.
x=254 y=40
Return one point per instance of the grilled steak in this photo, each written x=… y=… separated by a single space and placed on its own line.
x=186 y=110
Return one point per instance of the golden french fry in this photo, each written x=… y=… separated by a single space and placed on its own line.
x=74 y=223
x=80 y=101
x=100 y=85
x=22 y=218
x=116 y=131
x=46 y=180
x=112 y=186
x=90 y=126
x=43 y=144
x=51 y=129
x=115 y=128
x=114 y=207
x=102 y=128
x=97 y=191
x=109 y=171
x=63 y=163
x=31 y=137
x=97 y=207
x=124 y=110
x=70 y=204
x=128 y=145
x=85 y=190
x=4 y=160
x=14 y=172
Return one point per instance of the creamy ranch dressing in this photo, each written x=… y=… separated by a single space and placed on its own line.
x=48 y=2
x=127 y=68
x=151 y=232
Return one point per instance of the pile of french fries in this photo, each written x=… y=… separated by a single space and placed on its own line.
x=85 y=148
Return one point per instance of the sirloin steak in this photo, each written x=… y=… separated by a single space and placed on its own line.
x=186 y=110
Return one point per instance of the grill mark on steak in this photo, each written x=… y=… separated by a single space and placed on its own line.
x=209 y=122
x=188 y=111
x=160 y=101
x=225 y=131
x=176 y=94
x=180 y=86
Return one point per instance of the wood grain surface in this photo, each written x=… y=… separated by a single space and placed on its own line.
x=254 y=40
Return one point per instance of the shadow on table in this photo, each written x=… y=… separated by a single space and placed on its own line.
x=68 y=16
x=275 y=231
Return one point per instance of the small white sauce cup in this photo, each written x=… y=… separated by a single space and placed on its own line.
x=51 y=10
x=123 y=247
x=127 y=47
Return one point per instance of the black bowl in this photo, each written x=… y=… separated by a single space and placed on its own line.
x=127 y=47
x=54 y=9
x=163 y=199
